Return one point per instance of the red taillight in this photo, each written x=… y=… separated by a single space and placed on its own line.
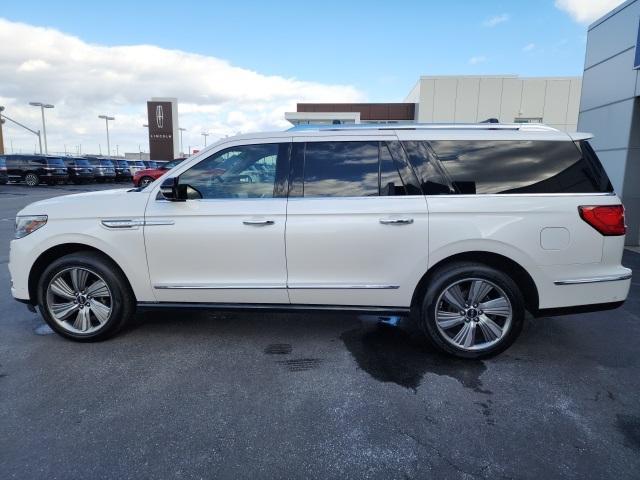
x=607 y=219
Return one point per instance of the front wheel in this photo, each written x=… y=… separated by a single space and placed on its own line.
x=84 y=297
x=472 y=310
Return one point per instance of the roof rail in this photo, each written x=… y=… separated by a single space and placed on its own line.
x=486 y=125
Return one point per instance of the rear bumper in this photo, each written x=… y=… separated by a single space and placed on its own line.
x=567 y=286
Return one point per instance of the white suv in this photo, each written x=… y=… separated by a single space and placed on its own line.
x=467 y=226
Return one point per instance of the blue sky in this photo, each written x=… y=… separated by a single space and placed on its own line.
x=379 y=47
x=238 y=66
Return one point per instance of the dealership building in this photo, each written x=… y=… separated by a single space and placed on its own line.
x=462 y=99
x=610 y=104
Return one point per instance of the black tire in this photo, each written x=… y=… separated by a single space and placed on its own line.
x=32 y=179
x=144 y=181
x=99 y=180
x=122 y=300
x=449 y=275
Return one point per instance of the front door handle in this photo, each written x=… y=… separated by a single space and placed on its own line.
x=396 y=221
x=258 y=223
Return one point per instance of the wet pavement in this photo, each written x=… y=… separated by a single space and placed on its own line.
x=231 y=395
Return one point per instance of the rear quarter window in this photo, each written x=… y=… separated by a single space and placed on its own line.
x=526 y=166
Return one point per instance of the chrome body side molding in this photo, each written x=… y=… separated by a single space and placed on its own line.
x=608 y=278
x=117 y=224
x=270 y=286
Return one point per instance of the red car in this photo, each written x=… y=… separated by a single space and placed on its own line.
x=142 y=178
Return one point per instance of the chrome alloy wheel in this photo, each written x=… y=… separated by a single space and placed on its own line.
x=473 y=314
x=31 y=179
x=79 y=300
x=145 y=181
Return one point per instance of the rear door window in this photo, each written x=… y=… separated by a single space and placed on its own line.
x=501 y=166
x=352 y=169
x=341 y=169
x=432 y=179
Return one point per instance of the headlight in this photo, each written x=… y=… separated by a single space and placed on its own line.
x=27 y=225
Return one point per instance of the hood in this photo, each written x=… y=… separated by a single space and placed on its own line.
x=117 y=203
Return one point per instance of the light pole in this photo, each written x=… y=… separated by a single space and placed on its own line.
x=35 y=132
x=181 y=130
x=1 y=134
x=205 y=135
x=44 y=128
x=106 y=119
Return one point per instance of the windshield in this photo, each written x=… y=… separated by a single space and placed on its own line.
x=171 y=164
x=3 y=162
x=137 y=164
x=81 y=162
x=106 y=163
x=122 y=163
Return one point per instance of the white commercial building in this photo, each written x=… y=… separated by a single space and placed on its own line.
x=610 y=104
x=508 y=98
x=462 y=99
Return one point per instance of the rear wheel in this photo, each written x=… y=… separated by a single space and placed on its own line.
x=83 y=296
x=472 y=310
x=144 y=181
x=31 y=179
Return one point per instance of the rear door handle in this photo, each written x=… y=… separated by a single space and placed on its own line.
x=396 y=221
x=258 y=223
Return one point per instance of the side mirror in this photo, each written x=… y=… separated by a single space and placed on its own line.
x=170 y=190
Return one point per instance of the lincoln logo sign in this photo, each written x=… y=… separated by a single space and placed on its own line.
x=160 y=121
x=159 y=116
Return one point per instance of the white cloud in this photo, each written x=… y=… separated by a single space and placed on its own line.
x=530 y=47
x=84 y=80
x=586 y=11
x=495 y=20
x=478 y=59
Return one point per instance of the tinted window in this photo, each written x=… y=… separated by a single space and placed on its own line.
x=171 y=164
x=3 y=162
x=106 y=163
x=390 y=180
x=247 y=171
x=55 y=162
x=341 y=169
x=499 y=166
x=431 y=179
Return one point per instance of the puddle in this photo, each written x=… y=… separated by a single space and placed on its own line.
x=43 y=329
x=392 y=354
x=629 y=427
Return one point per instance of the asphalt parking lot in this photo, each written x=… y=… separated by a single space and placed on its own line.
x=222 y=395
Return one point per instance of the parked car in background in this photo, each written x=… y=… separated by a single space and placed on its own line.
x=104 y=169
x=150 y=164
x=467 y=227
x=4 y=178
x=36 y=169
x=79 y=170
x=123 y=174
x=144 y=177
x=135 y=166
